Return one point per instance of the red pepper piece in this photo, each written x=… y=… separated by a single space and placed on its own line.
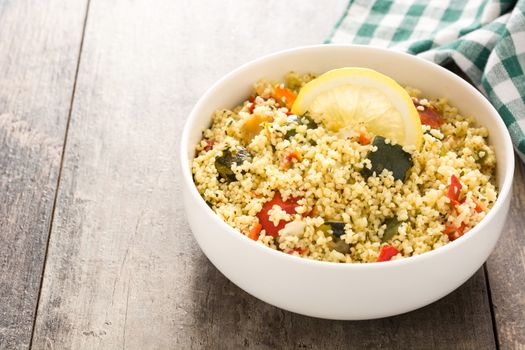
x=454 y=232
x=288 y=159
x=209 y=145
x=301 y=251
x=255 y=231
x=429 y=115
x=478 y=208
x=264 y=218
x=454 y=190
x=252 y=106
x=363 y=139
x=387 y=252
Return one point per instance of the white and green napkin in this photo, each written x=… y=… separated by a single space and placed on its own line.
x=484 y=38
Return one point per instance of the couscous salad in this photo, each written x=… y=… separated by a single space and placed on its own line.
x=346 y=167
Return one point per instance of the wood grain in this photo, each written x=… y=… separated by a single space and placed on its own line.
x=123 y=270
x=506 y=271
x=38 y=57
x=121 y=255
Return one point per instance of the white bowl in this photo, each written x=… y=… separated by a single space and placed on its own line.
x=345 y=291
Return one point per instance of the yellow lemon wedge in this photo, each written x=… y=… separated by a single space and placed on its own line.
x=351 y=97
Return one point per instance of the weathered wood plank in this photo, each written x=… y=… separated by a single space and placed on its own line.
x=39 y=47
x=222 y=316
x=506 y=271
x=123 y=270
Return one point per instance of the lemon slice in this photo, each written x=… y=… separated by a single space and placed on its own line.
x=350 y=97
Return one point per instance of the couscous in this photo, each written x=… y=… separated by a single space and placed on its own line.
x=295 y=185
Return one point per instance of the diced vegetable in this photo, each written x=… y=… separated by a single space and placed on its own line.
x=252 y=126
x=294 y=120
x=392 y=225
x=342 y=247
x=255 y=231
x=480 y=159
x=308 y=121
x=386 y=253
x=390 y=157
x=428 y=115
x=454 y=190
x=290 y=156
x=363 y=139
x=478 y=208
x=289 y=134
x=264 y=218
x=311 y=213
x=301 y=251
x=304 y=120
x=431 y=118
x=209 y=145
x=252 y=106
x=454 y=232
x=223 y=164
x=284 y=95
x=338 y=228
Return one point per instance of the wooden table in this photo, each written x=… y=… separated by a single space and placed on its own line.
x=95 y=250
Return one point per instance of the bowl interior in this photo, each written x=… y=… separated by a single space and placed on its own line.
x=432 y=80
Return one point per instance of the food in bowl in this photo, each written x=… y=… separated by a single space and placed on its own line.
x=346 y=167
x=278 y=278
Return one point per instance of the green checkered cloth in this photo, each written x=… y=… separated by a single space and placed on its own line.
x=485 y=38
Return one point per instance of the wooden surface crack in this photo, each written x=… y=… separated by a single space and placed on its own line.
x=57 y=186
x=125 y=318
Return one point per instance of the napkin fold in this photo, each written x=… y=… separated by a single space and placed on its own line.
x=484 y=38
